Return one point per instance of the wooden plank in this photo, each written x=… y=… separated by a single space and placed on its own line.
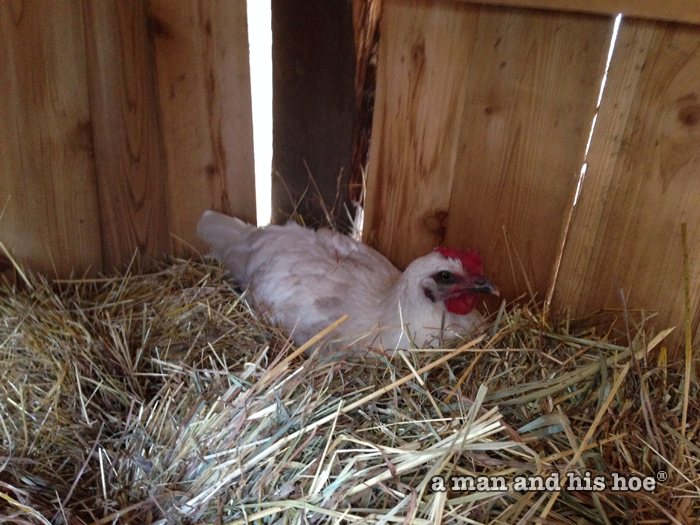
x=529 y=104
x=642 y=181
x=366 y=15
x=128 y=150
x=203 y=79
x=313 y=108
x=481 y=122
x=424 y=54
x=671 y=10
x=47 y=171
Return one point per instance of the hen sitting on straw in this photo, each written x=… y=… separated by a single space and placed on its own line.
x=305 y=280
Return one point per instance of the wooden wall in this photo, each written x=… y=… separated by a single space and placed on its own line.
x=643 y=180
x=120 y=123
x=480 y=129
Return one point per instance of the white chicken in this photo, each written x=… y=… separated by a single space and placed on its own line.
x=305 y=280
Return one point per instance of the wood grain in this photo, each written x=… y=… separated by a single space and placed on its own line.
x=128 y=150
x=203 y=79
x=47 y=171
x=481 y=123
x=424 y=53
x=642 y=181
x=528 y=110
x=366 y=15
x=671 y=10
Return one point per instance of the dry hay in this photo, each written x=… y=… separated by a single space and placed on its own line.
x=162 y=399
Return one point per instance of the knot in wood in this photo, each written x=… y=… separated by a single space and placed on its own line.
x=418 y=54
x=157 y=27
x=690 y=115
x=436 y=222
x=689 y=111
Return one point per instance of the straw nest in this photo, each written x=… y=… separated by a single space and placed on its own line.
x=162 y=398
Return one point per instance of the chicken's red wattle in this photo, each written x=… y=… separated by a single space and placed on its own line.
x=461 y=304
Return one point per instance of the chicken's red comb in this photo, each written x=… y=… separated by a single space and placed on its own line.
x=470 y=259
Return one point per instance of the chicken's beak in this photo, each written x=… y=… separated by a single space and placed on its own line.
x=483 y=285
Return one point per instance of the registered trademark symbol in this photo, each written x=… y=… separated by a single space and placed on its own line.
x=662 y=475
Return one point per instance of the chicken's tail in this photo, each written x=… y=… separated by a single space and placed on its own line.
x=228 y=237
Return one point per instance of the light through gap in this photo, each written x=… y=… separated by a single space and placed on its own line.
x=584 y=168
x=582 y=175
x=260 y=45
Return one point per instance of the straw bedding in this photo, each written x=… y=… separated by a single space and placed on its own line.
x=162 y=398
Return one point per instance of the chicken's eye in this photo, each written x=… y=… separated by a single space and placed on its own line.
x=444 y=277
